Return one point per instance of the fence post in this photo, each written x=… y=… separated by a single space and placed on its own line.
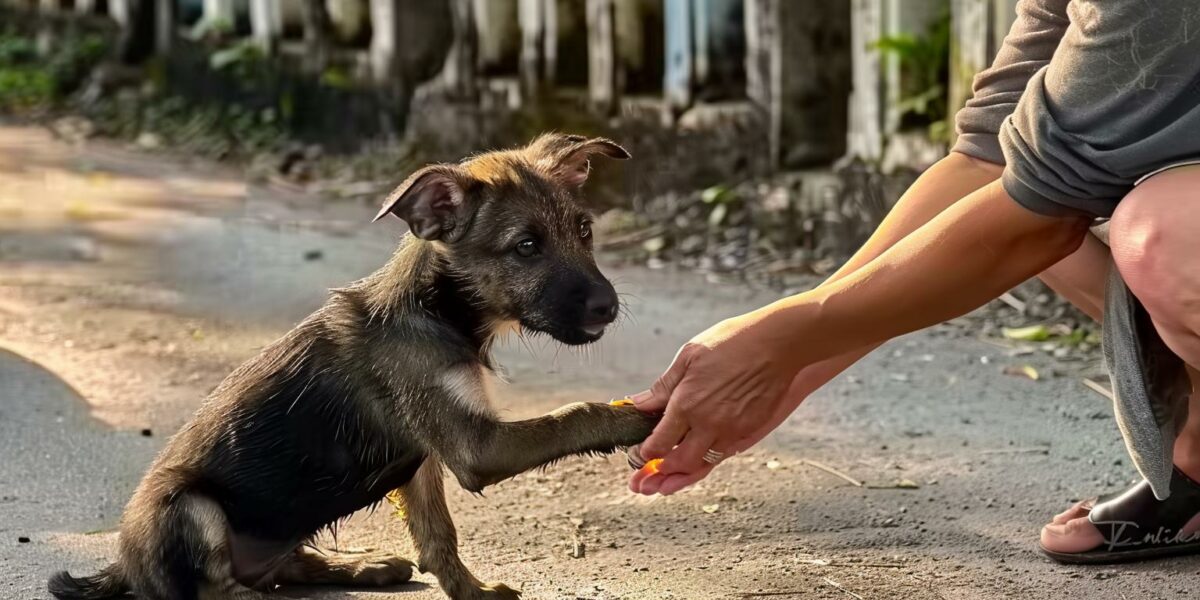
x=459 y=71
x=970 y=42
x=164 y=25
x=218 y=12
x=864 y=139
x=118 y=11
x=266 y=23
x=602 y=55
x=679 y=70
x=538 y=43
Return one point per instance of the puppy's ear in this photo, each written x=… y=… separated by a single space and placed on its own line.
x=572 y=157
x=433 y=201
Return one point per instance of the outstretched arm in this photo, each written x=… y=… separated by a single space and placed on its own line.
x=730 y=379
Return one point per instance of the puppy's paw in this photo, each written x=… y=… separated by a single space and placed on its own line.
x=392 y=570
x=498 y=591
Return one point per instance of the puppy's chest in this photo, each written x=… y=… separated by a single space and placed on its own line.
x=471 y=386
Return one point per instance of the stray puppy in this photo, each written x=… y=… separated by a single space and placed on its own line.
x=381 y=388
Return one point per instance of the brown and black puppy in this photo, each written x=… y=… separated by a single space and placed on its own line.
x=381 y=389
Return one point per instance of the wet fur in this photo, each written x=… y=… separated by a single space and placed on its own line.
x=353 y=403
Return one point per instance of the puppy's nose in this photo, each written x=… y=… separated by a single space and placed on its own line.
x=601 y=306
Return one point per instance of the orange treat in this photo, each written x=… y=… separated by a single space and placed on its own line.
x=652 y=466
x=621 y=402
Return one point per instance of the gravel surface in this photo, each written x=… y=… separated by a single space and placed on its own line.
x=131 y=284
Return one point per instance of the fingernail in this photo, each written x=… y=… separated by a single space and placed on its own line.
x=634 y=455
x=641 y=397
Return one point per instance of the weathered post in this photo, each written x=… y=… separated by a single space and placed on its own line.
x=218 y=13
x=970 y=52
x=266 y=23
x=164 y=24
x=864 y=140
x=459 y=73
x=602 y=55
x=538 y=44
x=679 y=72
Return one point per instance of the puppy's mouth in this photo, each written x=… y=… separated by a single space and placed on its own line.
x=596 y=330
x=571 y=335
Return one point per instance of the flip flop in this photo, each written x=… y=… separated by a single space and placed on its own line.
x=1138 y=526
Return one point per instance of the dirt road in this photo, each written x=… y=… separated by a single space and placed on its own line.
x=131 y=284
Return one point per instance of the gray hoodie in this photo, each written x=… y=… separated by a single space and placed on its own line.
x=1084 y=98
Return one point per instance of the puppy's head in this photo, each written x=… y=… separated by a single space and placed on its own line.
x=513 y=227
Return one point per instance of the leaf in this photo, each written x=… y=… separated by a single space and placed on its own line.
x=1033 y=333
x=717 y=194
x=1023 y=371
x=654 y=244
x=717 y=216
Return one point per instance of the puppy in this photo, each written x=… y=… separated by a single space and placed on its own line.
x=381 y=389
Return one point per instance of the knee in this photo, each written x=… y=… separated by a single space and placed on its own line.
x=1152 y=236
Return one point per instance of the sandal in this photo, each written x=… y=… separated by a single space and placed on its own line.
x=1138 y=526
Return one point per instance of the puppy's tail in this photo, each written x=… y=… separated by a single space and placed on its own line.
x=106 y=584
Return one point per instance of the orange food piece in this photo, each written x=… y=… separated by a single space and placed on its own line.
x=651 y=467
x=621 y=402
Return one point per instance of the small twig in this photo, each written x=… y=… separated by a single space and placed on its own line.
x=928 y=585
x=1096 y=387
x=1013 y=301
x=523 y=559
x=765 y=594
x=1033 y=449
x=821 y=563
x=832 y=471
x=839 y=586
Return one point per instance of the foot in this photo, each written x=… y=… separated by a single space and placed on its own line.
x=1071 y=531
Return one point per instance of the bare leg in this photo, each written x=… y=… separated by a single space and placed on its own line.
x=1156 y=250
x=308 y=568
x=436 y=540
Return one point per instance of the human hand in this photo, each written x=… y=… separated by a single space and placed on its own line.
x=726 y=389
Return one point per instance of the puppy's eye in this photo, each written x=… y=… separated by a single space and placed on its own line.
x=526 y=248
x=585 y=230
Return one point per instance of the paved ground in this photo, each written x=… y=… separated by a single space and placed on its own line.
x=130 y=285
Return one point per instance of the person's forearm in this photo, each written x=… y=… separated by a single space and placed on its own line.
x=970 y=253
x=941 y=185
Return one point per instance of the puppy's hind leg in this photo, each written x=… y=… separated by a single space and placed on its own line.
x=436 y=540
x=199 y=536
x=307 y=568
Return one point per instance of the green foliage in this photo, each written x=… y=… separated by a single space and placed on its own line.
x=924 y=75
x=243 y=59
x=30 y=80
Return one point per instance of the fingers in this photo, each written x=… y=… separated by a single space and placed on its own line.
x=677 y=481
x=688 y=456
x=647 y=402
x=666 y=435
x=667 y=382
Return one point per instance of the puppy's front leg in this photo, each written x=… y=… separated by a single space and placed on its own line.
x=436 y=540
x=500 y=450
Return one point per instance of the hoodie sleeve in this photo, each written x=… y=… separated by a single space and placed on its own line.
x=1119 y=99
x=1029 y=46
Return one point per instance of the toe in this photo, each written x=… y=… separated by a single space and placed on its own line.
x=1073 y=536
x=1077 y=510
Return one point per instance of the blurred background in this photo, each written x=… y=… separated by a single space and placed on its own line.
x=804 y=119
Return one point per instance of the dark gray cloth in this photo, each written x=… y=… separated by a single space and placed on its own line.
x=1084 y=98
